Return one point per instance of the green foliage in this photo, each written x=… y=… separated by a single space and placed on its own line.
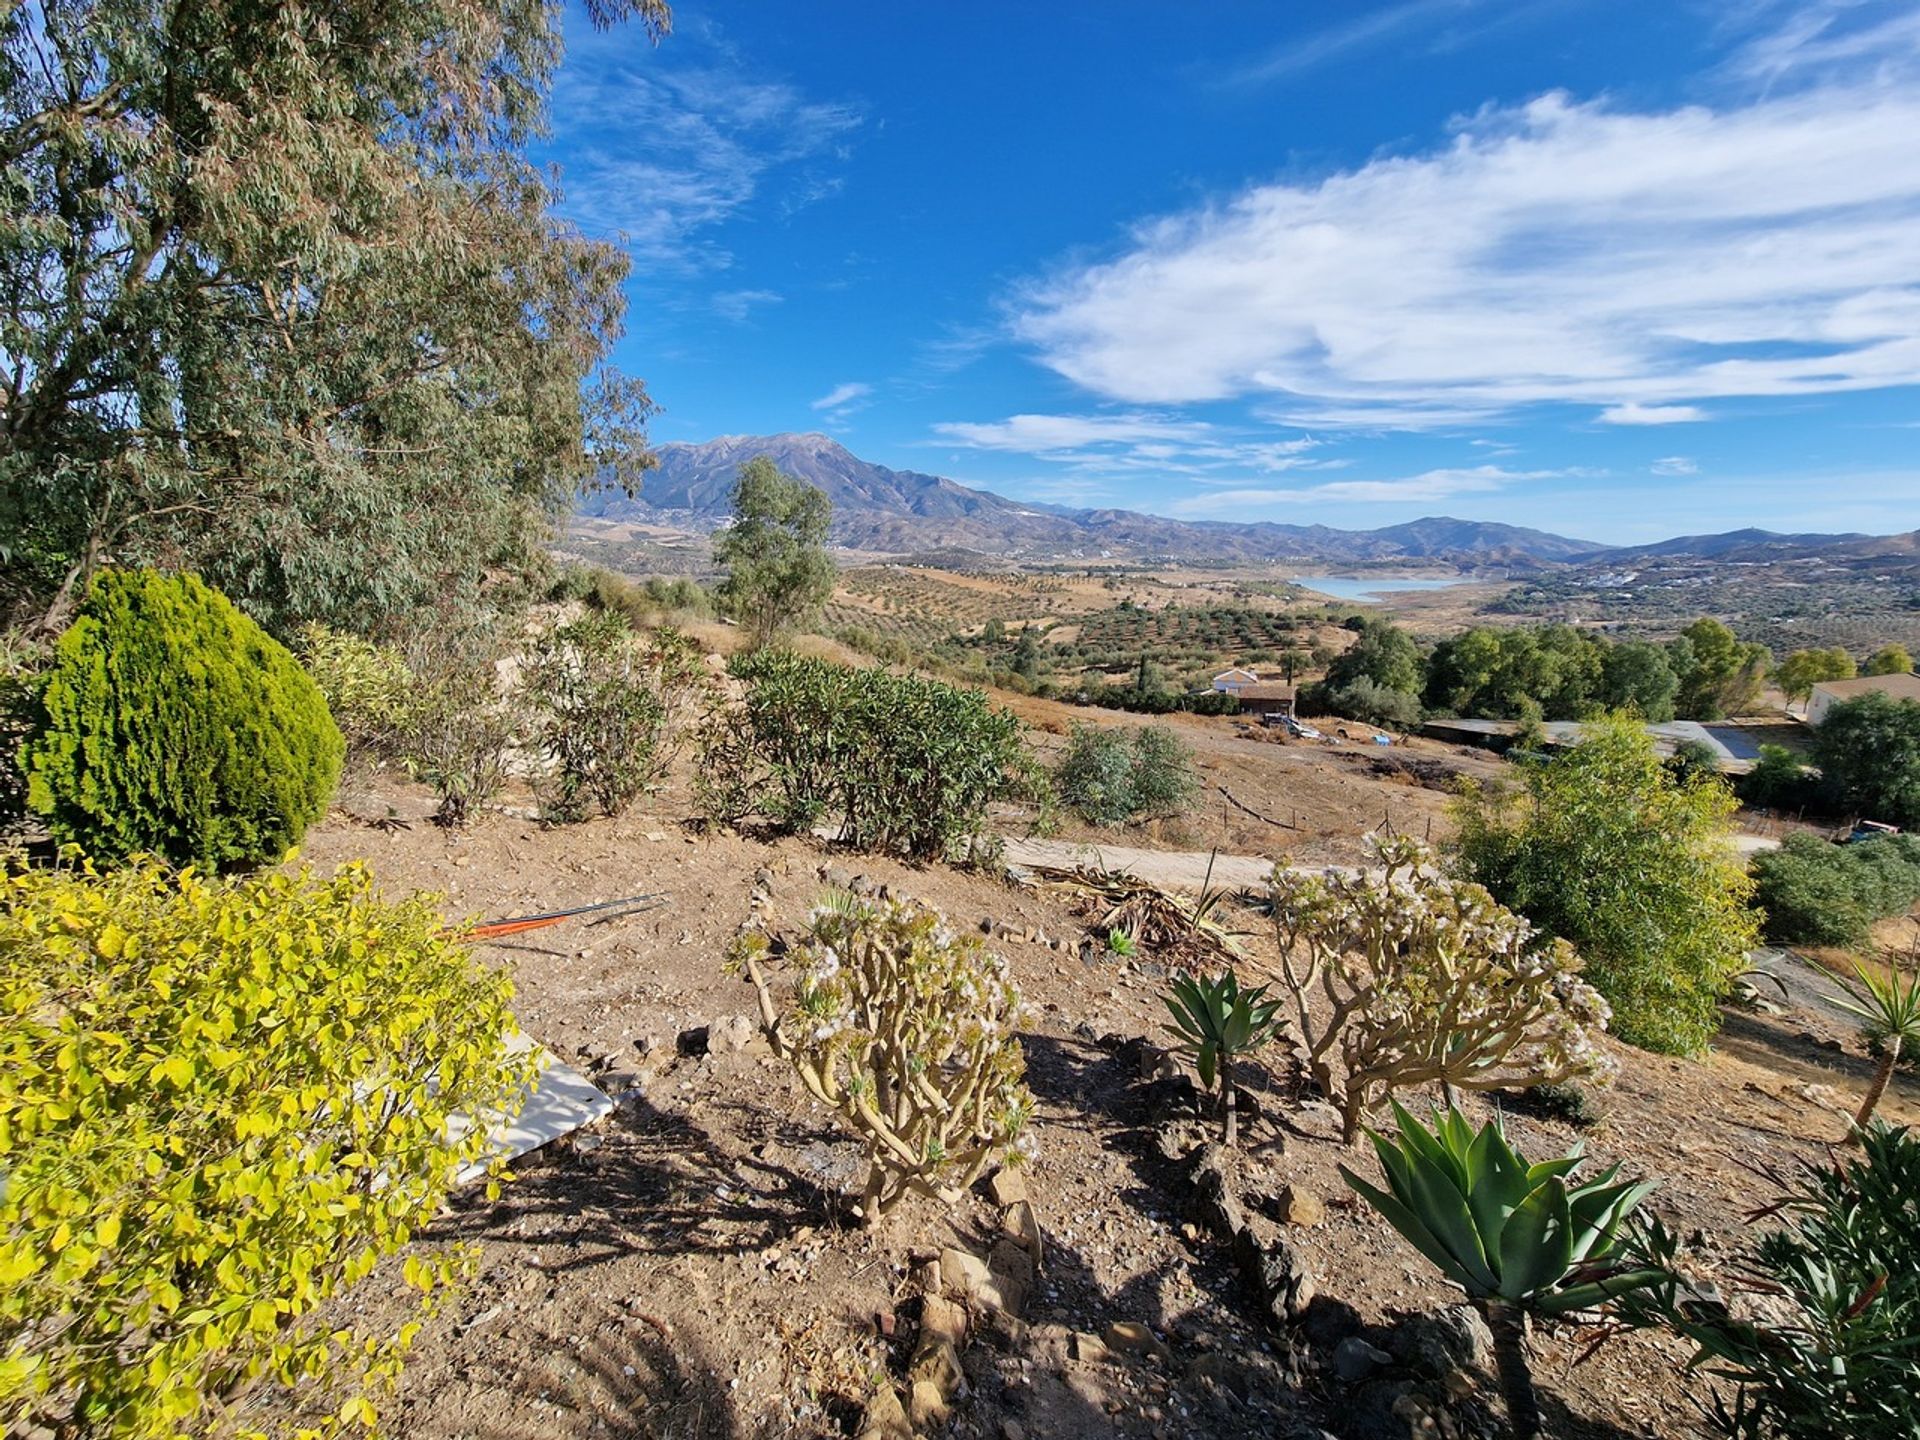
x=171 y=724
x=221 y=1104
x=291 y=309
x=1500 y=1228
x=1401 y=978
x=1119 y=942
x=778 y=570
x=1606 y=849
x=1779 y=780
x=603 y=700
x=1518 y=1238
x=1216 y=1024
x=1367 y=701
x=1886 y=1002
x=1495 y=672
x=1694 y=760
x=1385 y=655
x=1835 y=1354
x=908 y=1031
x=1891 y=659
x=1638 y=676
x=1818 y=893
x=21 y=662
x=1868 y=751
x=1804 y=669
x=369 y=688
x=1110 y=776
x=1719 y=675
x=903 y=764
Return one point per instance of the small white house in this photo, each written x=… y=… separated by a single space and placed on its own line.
x=1233 y=681
x=1829 y=693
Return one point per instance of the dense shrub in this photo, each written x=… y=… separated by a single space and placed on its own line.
x=907 y=1030
x=369 y=688
x=220 y=1104
x=1606 y=849
x=1403 y=978
x=1868 y=751
x=1110 y=776
x=1818 y=893
x=902 y=764
x=21 y=664
x=1364 y=700
x=172 y=724
x=1832 y=1351
x=1779 y=780
x=609 y=706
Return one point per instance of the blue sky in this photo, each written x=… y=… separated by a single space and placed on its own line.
x=1612 y=268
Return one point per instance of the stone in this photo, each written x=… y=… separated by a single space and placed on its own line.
x=1277 y=1271
x=837 y=877
x=963 y=1274
x=886 y=1418
x=1012 y=1430
x=1355 y=1360
x=942 y=1320
x=1211 y=1200
x=1019 y=1224
x=1130 y=1337
x=1300 y=1206
x=1440 y=1341
x=1012 y=1268
x=926 y=1406
x=939 y=1364
x=1008 y=1187
x=1090 y=1348
x=731 y=1034
x=1180 y=1139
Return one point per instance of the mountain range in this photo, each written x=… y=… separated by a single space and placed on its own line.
x=905 y=512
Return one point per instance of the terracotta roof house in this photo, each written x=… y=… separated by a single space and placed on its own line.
x=1829 y=693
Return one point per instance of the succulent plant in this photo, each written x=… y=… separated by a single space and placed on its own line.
x=1215 y=1023
x=1518 y=1238
x=1886 y=1002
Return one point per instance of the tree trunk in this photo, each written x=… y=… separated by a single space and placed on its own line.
x=1508 y=1325
x=1881 y=1078
x=1226 y=1098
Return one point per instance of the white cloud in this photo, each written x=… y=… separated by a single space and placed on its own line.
x=737 y=305
x=843 y=395
x=1141 y=442
x=1050 y=434
x=1559 y=251
x=657 y=154
x=1634 y=413
x=1675 y=465
x=1360 y=33
x=1428 y=485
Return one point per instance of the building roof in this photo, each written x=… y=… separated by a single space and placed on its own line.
x=1266 y=691
x=1900 y=687
x=1237 y=670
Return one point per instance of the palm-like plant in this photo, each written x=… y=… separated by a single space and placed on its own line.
x=1215 y=1023
x=1887 y=1005
x=1520 y=1239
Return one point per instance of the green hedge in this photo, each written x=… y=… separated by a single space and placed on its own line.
x=171 y=724
x=1817 y=893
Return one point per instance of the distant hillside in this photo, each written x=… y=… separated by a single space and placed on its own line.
x=907 y=512
x=1760 y=546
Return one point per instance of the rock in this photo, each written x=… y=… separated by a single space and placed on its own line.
x=1300 y=1206
x=1212 y=1201
x=1276 y=1270
x=1013 y=1274
x=926 y=1406
x=942 y=1320
x=1008 y=1187
x=863 y=885
x=1130 y=1337
x=1180 y=1139
x=885 y=1419
x=731 y=1034
x=1090 y=1348
x=1355 y=1360
x=1444 y=1340
x=1019 y=1224
x=837 y=877
x=1012 y=1430
x=963 y=1274
x=938 y=1364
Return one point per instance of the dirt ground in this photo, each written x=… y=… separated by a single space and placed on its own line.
x=685 y=1268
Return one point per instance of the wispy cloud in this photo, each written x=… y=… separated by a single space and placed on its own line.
x=1428 y=485
x=737 y=305
x=844 y=395
x=1361 y=33
x=659 y=154
x=1141 y=442
x=1675 y=465
x=1634 y=413
x=1562 y=251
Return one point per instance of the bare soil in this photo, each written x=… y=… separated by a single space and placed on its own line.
x=687 y=1267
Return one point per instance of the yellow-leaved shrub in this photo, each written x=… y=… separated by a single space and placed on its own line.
x=220 y=1103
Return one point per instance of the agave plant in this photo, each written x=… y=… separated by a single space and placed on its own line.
x=1520 y=1239
x=1216 y=1022
x=1887 y=1005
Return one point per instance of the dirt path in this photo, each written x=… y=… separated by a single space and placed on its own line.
x=1175 y=869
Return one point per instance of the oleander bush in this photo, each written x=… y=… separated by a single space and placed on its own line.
x=459 y=736
x=1110 y=776
x=908 y=1030
x=171 y=724
x=221 y=1103
x=898 y=763
x=1402 y=977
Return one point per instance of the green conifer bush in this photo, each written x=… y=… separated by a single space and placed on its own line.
x=173 y=725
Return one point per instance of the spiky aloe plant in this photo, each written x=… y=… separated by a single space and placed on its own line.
x=1518 y=1238
x=1216 y=1022
x=1887 y=1005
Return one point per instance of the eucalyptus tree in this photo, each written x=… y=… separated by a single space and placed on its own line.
x=282 y=299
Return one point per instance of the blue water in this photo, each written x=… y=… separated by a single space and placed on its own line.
x=1369 y=589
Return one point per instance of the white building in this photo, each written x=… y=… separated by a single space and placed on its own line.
x=1829 y=693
